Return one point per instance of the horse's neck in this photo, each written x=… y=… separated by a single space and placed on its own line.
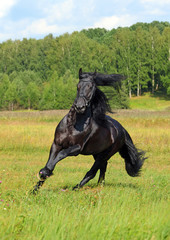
x=78 y=121
x=83 y=120
x=71 y=118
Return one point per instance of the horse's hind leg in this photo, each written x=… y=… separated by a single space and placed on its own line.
x=103 y=157
x=89 y=175
x=103 y=167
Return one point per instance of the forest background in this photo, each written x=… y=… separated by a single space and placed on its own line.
x=42 y=74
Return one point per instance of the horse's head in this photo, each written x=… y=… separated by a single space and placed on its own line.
x=86 y=88
x=85 y=91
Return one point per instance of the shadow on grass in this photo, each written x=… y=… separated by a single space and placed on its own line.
x=67 y=188
x=122 y=185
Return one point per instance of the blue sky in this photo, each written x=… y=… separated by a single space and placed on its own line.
x=38 y=18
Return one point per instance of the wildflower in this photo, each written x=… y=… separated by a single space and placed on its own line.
x=64 y=190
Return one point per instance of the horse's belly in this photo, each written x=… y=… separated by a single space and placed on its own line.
x=100 y=140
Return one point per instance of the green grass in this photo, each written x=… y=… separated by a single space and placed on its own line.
x=125 y=208
x=148 y=102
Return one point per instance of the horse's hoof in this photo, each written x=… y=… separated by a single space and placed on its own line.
x=34 y=191
x=76 y=187
x=44 y=173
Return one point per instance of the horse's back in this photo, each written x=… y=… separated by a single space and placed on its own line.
x=115 y=124
x=119 y=128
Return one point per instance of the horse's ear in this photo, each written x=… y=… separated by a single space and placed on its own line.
x=94 y=74
x=80 y=72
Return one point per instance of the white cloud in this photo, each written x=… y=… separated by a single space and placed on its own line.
x=156 y=7
x=115 y=21
x=5 y=6
x=41 y=17
x=27 y=29
x=85 y=8
x=156 y=2
x=40 y=26
x=156 y=11
x=59 y=11
x=4 y=36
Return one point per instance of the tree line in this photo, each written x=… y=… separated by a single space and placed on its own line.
x=42 y=74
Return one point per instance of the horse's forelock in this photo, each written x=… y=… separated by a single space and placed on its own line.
x=86 y=77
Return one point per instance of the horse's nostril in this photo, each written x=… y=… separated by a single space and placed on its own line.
x=79 y=107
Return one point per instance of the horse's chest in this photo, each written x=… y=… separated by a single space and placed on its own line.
x=70 y=137
x=64 y=139
x=81 y=125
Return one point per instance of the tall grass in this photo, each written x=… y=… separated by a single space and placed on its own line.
x=125 y=208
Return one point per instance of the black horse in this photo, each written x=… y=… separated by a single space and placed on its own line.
x=87 y=130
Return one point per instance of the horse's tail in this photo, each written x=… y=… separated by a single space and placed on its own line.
x=133 y=157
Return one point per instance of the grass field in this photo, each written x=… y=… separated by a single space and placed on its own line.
x=125 y=208
x=158 y=102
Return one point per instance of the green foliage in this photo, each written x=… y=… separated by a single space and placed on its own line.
x=166 y=80
x=97 y=34
x=117 y=97
x=33 y=95
x=4 y=85
x=59 y=93
x=10 y=96
x=42 y=74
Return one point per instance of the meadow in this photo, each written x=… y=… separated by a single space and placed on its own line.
x=123 y=208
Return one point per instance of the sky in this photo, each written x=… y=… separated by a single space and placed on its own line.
x=37 y=18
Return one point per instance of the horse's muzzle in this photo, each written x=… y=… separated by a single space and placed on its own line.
x=80 y=105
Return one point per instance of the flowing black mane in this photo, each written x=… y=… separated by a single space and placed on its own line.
x=100 y=106
x=102 y=79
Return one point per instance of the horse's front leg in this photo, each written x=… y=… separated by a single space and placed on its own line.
x=56 y=155
x=44 y=173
